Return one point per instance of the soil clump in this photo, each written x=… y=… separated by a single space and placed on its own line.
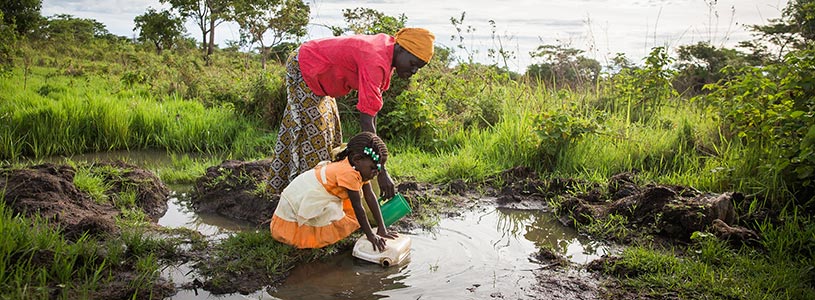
x=236 y=189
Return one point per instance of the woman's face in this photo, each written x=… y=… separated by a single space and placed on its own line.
x=406 y=63
x=367 y=168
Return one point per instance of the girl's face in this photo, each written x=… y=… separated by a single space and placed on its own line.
x=367 y=168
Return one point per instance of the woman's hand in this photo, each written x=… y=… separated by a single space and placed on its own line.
x=377 y=241
x=381 y=231
x=386 y=188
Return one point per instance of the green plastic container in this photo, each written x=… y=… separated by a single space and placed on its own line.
x=394 y=209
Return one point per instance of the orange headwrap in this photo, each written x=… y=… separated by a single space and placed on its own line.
x=417 y=41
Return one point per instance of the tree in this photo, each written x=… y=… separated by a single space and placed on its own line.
x=23 y=14
x=207 y=14
x=68 y=28
x=284 y=19
x=160 y=28
x=563 y=66
x=8 y=39
x=370 y=21
x=795 y=29
x=702 y=64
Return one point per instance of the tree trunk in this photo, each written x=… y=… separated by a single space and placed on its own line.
x=263 y=52
x=211 y=35
x=204 y=39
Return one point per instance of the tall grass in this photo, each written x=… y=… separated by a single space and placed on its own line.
x=36 y=262
x=667 y=147
x=96 y=115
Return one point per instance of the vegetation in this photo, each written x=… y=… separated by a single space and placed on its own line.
x=161 y=29
x=712 y=118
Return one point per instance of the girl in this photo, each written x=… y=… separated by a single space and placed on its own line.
x=323 y=205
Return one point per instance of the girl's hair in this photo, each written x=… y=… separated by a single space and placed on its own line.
x=363 y=140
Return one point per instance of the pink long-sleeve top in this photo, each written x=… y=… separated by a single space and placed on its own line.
x=333 y=66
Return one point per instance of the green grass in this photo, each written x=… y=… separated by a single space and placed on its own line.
x=257 y=256
x=52 y=117
x=184 y=169
x=92 y=183
x=712 y=270
x=37 y=262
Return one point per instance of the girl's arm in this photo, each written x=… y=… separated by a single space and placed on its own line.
x=370 y=198
x=356 y=203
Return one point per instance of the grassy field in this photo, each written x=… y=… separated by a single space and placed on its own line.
x=468 y=122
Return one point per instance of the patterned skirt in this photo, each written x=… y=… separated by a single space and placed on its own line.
x=309 y=130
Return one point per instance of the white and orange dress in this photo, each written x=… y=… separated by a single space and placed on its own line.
x=314 y=209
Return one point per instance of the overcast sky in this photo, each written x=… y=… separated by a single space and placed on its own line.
x=599 y=27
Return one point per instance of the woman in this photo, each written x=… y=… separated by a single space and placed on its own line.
x=331 y=67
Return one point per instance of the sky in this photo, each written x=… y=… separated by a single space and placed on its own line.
x=601 y=28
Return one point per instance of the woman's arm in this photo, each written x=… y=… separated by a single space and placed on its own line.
x=356 y=203
x=367 y=122
x=386 y=186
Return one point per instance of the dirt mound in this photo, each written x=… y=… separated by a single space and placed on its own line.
x=674 y=211
x=671 y=211
x=238 y=190
x=151 y=193
x=48 y=191
x=521 y=188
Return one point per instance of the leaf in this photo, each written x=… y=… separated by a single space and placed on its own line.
x=796 y=114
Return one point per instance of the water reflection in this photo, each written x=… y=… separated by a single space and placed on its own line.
x=143 y=158
x=478 y=255
x=544 y=230
x=180 y=214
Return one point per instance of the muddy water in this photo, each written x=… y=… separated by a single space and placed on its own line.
x=480 y=254
x=475 y=255
x=179 y=214
x=143 y=158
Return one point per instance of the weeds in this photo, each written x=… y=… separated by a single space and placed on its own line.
x=36 y=262
x=613 y=227
x=711 y=269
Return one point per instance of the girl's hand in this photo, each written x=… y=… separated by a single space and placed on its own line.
x=386 y=234
x=377 y=242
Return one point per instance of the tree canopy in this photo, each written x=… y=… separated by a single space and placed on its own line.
x=284 y=19
x=162 y=29
x=23 y=14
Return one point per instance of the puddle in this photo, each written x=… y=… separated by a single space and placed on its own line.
x=143 y=158
x=212 y=225
x=476 y=255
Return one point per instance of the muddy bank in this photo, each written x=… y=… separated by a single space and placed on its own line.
x=48 y=192
x=238 y=190
x=670 y=211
